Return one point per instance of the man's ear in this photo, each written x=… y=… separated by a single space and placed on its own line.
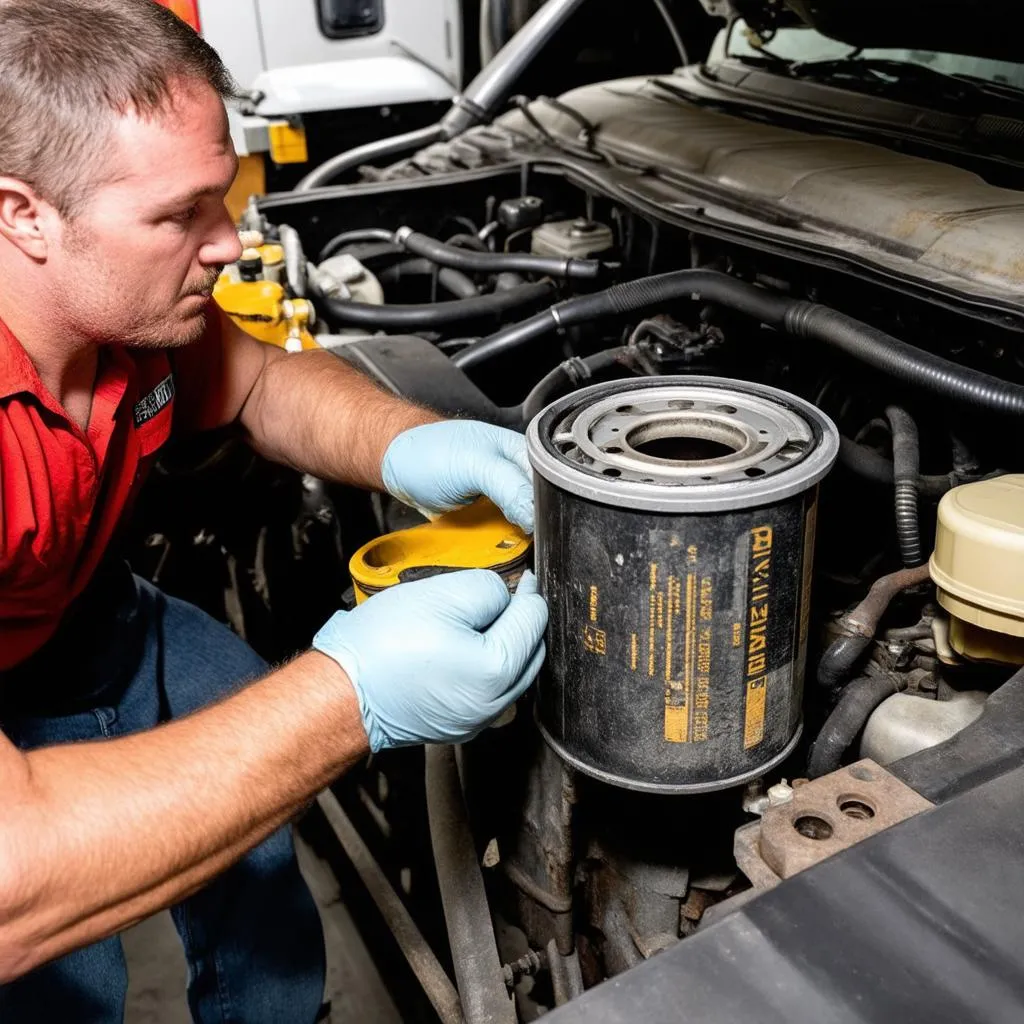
x=23 y=218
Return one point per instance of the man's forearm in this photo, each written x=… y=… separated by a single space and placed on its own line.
x=96 y=836
x=316 y=413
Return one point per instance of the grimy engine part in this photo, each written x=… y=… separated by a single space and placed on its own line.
x=675 y=537
x=474 y=537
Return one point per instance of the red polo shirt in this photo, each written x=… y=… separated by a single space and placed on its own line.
x=63 y=491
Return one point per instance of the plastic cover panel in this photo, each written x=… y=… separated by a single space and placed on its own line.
x=918 y=216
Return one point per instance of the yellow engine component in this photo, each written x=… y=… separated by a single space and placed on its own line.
x=475 y=537
x=978 y=568
x=251 y=180
x=287 y=143
x=261 y=309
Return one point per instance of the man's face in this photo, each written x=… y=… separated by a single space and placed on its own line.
x=136 y=263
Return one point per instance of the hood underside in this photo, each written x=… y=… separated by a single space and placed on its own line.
x=977 y=28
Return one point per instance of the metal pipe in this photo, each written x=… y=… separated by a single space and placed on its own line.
x=479 y=102
x=294 y=260
x=483 y=97
x=428 y=970
x=370 y=152
x=478 y=969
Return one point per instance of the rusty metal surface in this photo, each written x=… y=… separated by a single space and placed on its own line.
x=833 y=813
x=540 y=862
x=747 y=851
x=920 y=217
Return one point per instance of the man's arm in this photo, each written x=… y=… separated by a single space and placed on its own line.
x=97 y=836
x=309 y=410
x=315 y=413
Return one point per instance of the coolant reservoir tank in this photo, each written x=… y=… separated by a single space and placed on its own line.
x=978 y=568
x=572 y=239
x=475 y=537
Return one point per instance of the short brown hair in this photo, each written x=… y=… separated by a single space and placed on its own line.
x=68 y=67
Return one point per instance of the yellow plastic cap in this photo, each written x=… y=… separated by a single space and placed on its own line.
x=474 y=537
x=271 y=253
x=978 y=562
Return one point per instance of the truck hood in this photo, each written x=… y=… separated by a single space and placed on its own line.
x=977 y=28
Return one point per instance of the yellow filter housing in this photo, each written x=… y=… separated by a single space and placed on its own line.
x=262 y=310
x=474 y=537
x=978 y=567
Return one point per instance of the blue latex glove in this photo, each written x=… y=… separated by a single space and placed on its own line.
x=438 y=659
x=440 y=466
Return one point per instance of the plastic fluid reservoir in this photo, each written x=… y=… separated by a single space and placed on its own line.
x=978 y=568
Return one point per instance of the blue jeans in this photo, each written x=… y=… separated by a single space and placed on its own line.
x=252 y=936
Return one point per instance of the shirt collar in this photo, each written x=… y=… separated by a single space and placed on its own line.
x=17 y=374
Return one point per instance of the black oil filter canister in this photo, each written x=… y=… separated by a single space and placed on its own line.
x=675 y=538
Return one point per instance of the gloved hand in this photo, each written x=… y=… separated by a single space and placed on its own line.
x=438 y=466
x=438 y=659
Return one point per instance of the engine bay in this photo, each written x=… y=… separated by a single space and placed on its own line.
x=771 y=382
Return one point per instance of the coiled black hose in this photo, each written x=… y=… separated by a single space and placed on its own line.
x=848 y=718
x=906 y=461
x=432 y=316
x=905 y=363
x=492 y=262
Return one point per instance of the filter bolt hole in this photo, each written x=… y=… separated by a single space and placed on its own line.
x=855 y=808
x=810 y=826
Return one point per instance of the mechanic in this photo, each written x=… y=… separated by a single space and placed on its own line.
x=141 y=766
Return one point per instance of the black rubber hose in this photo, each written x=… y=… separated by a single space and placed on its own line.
x=906 y=461
x=875 y=348
x=847 y=719
x=431 y=316
x=493 y=262
x=858 y=626
x=570 y=374
x=354 y=238
x=478 y=973
x=644 y=293
x=839 y=659
x=905 y=363
x=455 y=282
x=869 y=465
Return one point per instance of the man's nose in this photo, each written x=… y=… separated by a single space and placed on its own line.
x=223 y=245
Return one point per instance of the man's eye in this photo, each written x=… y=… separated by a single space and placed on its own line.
x=186 y=216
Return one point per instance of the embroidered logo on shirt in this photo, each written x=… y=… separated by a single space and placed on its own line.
x=159 y=398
